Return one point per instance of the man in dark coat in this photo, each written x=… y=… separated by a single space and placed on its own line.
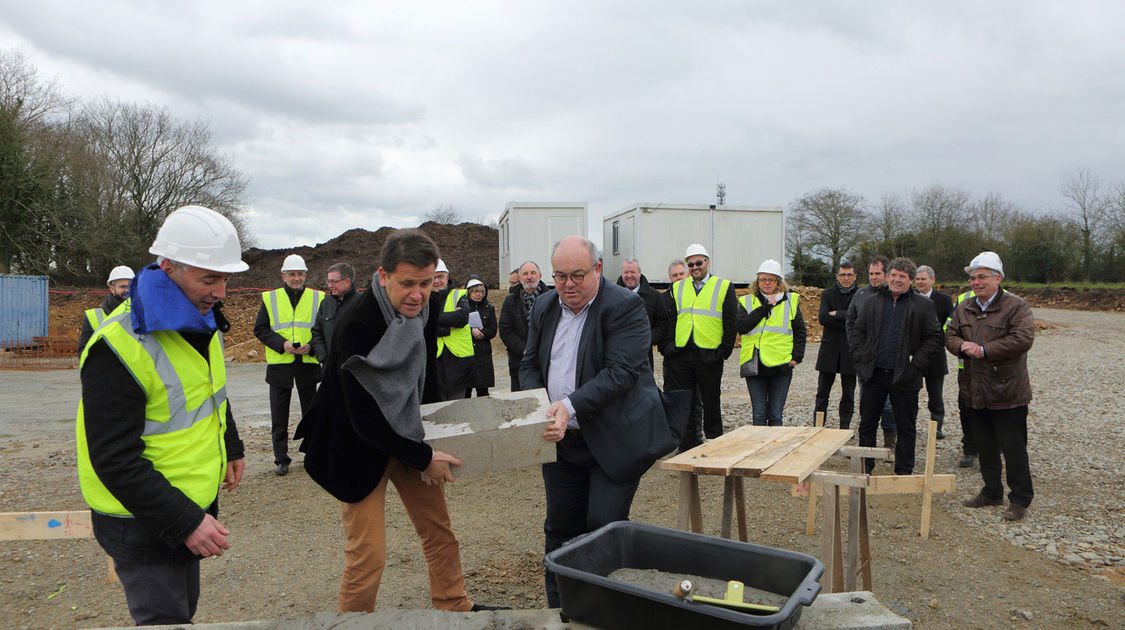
x=341 y=289
x=893 y=340
x=935 y=375
x=354 y=444
x=631 y=278
x=477 y=302
x=834 y=356
x=586 y=346
x=514 y=313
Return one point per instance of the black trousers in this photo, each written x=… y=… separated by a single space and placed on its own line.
x=1003 y=431
x=581 y=497
x=935 y=389
x=481 y=391
x=847 y=396
x=968 y=444
x=159 y=594
x=686 y=370
x=279 y=417
x=514 y=370
x=873 y=397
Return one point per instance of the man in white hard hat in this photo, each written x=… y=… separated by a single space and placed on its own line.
x=156 y=439
x=284 y=325
x=118 y=283
x=702 y=339
x=992 y=333
x=441 y=276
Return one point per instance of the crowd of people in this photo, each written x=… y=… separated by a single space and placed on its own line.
x=157 y=437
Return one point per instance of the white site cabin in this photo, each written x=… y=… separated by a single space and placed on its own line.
x=528 y=230
x=738 y=238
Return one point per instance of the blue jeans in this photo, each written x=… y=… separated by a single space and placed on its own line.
x=767 y=396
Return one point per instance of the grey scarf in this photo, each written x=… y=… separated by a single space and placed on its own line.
x=394 y=371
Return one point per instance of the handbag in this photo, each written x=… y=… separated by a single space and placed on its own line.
x=750 y=368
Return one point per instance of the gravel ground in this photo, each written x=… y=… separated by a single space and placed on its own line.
x=1061 y=567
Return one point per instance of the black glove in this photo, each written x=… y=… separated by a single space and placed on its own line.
x=221 y=321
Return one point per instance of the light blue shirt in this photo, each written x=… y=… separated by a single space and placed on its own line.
x=562 y=375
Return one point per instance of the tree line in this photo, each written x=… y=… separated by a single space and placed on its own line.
x=86 y=186
x=1083 y=240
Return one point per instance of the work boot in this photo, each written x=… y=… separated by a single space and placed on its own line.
x=282 y=470
x=940 y=434
x=981 y=501
x=966 y=461
x=1015 y=512
x=889 y=439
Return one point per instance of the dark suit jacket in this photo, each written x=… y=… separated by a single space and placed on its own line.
x=654 y=307
x=834 y=355
x=943 y=306
x=617 y=403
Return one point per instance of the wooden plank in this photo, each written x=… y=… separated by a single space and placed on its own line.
x=740 y=502
x=856 y=468
x=864 y=540
x=45 y=525
x=695 y=508
x=852 y=480
x=893 y=484
x=810 y=521
x=784 y=441
x=693 y=459
x=683 y=504
x=927 y=488
x=728 y=507
x=799 y=463
x=831 y=554
x=873 y=452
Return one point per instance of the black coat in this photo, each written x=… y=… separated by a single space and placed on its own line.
x=325 y=324
x=943 y=306
x=482 y=348
x=835 y=355
x=654 y=307
x=619 y=408
x=346 y=439
x=513 y=320
x=919 y=339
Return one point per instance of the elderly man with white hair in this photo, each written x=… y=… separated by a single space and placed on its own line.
x=992 y=333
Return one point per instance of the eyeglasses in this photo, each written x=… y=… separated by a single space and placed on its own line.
x=331 y=281
x=981 y=277
x=698 y=263
x=845 y=275
x=577 y=277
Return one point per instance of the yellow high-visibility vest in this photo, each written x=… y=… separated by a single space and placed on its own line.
x=185 y=411
x=773 y=336
x=295 y=324
x=960 y=298
x=699 y=316
x=95 y=316
x=460 y=340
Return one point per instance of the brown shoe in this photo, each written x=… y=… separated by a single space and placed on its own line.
x=981 y=501
x=1015 y=512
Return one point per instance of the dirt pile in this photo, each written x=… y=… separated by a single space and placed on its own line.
x=468 y=248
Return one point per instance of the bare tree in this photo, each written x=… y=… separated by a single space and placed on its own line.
x=833 y=223
x=1086 y=209
x=889 y=219
x=938 y=208
x=22 y=91
x=992 y=214
x=444 y=214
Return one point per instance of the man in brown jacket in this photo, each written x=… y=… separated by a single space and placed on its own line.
x=991 y=334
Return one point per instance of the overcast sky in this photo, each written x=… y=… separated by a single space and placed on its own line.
x=364 y=114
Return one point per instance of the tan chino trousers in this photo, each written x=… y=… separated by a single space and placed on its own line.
x=365 y=553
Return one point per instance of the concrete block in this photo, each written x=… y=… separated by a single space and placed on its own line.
x=497 y=432
x=857 y=610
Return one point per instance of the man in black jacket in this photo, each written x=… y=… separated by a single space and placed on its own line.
x=341 y=291
x=118 y=283
x=586 y=346
x=631 y=278
x=893 y=340
x=834 y=356
x=935 y=375
x=384 y=359
x=514 y=313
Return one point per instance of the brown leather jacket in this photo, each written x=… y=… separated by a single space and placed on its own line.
x=1006 y=329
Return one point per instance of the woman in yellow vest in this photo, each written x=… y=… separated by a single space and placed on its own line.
x=773 y=342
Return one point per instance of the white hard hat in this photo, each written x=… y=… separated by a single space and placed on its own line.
x=988 y=260
x=474 y=283
x=695 y=249
x=770 y=265
x=200 y=237
x=441 y=268
x=120 y=272
x=294 y=262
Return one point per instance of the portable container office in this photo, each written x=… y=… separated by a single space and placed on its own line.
x=528 y=229
x=23 y=310
x=738 y=238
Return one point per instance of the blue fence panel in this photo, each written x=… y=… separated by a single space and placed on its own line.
x=23 y=309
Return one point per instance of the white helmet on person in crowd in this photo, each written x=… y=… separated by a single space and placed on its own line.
x=988 y=260
x=200 y=237
x=695 y=249
x=771 y=266
x=120 y=272
x=294 y=262
x=441 y=268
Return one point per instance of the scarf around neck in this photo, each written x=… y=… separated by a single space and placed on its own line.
x=394 y=370
x=159 y=304
x=848 y=290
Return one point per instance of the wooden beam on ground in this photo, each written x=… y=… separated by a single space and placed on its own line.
x=45 y=525
x=794 y=467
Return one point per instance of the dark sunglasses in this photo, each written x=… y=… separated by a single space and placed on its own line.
x=698 y=263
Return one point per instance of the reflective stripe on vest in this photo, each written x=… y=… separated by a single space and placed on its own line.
x=460 y=340
x=773 y=336
x=185 y=411
x=95 y=316
x=699 y=316
x=294 y=324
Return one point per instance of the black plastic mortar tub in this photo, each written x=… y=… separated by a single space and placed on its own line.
x=587 y=595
